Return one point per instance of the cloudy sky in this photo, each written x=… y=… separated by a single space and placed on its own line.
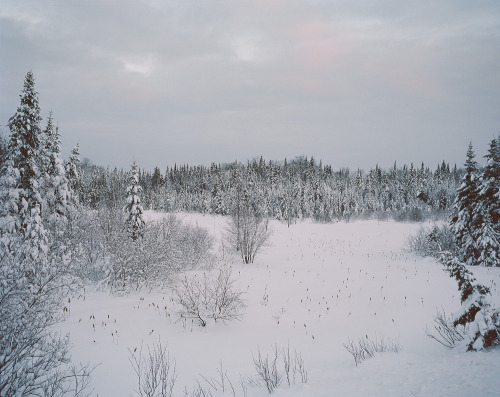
x=354 y=83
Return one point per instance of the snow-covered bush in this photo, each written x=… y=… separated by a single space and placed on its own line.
x=477 y=312
x=365 y=348
x=209 y=295
x=432 y=241
x=33 y=359
x=111 y=258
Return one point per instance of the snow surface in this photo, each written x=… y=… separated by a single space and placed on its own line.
x=316 y=286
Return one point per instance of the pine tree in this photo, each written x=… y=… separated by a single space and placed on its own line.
x=135 y=222
x=22 y=200
x=463 y=220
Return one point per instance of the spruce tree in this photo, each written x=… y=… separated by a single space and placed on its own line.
x=487 y=210
x=22 y=200
x=57 y=189
x=135 y=222
x=490 y=183
x=73 y=174
x=463 y=219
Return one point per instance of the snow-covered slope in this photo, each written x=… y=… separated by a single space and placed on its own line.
x=313 y=288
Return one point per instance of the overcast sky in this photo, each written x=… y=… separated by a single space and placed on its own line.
x=354 y=83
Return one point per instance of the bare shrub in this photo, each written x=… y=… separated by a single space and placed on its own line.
x=156 y=373
x=270 y=374
x=365 y=348
x=267 y=369
x=199 y=391
x=209 y=295
x=445 y=332
x=155 y=370
x=34 y=360
x=248 y=232
x=221 y=383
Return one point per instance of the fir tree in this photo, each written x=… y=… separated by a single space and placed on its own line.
x=463 y=220
x=22 y=200
x=135 y=222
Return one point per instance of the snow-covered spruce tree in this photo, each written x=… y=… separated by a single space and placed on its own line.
x=22 y=229
x=462 y=221
x=135 y=222
x=487 y=210
x=73 y=173
x=477 y=311
x=490 y=183
x=57 y=190
x=33 y=277
x=487 y=240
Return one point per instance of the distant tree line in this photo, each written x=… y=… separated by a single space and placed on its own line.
x=288 y=190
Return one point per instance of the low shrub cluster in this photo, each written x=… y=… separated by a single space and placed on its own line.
x=108 y=257
x=365 y=348
x=156 y=373
x=432 y=241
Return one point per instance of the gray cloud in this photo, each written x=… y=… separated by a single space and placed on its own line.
x=196 y=82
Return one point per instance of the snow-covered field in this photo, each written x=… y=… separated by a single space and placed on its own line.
x=313 y=288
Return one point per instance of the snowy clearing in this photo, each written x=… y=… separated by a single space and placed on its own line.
x=315 y=287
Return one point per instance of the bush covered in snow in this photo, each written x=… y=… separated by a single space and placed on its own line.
x=432 y=241
x=111 y=258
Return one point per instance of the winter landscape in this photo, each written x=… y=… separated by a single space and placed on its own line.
x=164 y=233
x=314 y=289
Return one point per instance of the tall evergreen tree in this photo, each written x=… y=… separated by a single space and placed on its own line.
x=490 y=183
x=487 y=210
x=22 y=200
x=74 y=172
x=57 y=189
x=463 y=219
x=135 y=222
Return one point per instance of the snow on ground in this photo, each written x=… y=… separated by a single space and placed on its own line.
x=316 y=286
